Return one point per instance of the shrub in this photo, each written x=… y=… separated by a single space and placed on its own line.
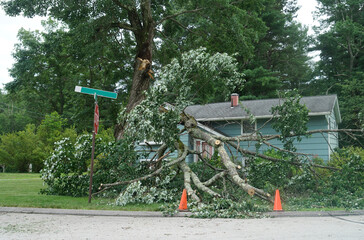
x=270 y=175
x=118 y=163
x=350 y=176
x=51 y=128
x=33 y=145
x=343 y=188
x=66 y=170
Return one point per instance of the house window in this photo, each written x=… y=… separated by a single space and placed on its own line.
x=204 y=148
x=247 y=127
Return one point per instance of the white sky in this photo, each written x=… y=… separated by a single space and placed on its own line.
x=9 y=27
x=304 y=15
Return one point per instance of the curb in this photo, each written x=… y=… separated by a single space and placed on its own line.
x=136 y=214
x=279 y=214
x=79 y=212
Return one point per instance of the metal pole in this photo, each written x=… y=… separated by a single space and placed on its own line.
x=92 y=166
x=92 y=156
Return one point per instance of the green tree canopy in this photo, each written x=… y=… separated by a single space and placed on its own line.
x=341 y=46
x=47 y=69
x=280 y=58
x=146 y=26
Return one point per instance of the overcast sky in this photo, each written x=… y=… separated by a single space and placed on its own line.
x=9 y=27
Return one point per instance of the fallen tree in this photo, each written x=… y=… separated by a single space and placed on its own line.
x=154 y=119
x=231 y=170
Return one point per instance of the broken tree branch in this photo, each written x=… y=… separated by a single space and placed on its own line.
x=182 y=157
x=190 y=124
x=251 y=153
x=259 y=137
x=214 y=178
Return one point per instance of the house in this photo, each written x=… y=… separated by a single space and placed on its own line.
x=233 y=119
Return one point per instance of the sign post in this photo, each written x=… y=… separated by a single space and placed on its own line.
x=95 y=93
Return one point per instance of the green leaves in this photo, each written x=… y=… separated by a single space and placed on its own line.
x=340 y=70
x=280 y=58
x=50 y=64
x=51 y=128
x=65 y=169
x=195 y=78
x=199 y=77
x=33 y=145
x=290 y=119
x=154 y=192
x=18 y=150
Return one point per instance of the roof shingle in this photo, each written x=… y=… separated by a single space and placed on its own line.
x=317 y=105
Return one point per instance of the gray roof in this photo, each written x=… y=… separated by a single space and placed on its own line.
x=317 y=105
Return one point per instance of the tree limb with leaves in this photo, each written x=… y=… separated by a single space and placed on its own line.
x=154 y=119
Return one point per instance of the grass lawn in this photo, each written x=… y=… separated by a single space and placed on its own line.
x=22 y=190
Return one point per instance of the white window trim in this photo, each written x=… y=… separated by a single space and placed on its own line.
x=242 y=128
x=329 y=137
x=145 y=142
x=195 y=156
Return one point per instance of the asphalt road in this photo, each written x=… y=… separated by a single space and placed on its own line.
x=75 y=225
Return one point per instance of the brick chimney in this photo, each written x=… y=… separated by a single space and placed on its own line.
x=234 y=100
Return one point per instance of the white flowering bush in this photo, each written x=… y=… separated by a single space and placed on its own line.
x=157 y=191
x=66 y=170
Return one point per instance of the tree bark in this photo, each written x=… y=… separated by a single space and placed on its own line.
x=144 y=30
x=191 y=125
x=197 y=181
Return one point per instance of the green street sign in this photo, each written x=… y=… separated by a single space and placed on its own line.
x=96 y=92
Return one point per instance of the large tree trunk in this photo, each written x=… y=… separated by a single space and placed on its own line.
x=141 y=81
x=144 y=33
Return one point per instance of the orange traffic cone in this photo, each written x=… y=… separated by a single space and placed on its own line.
x=183 y=203
x=277 y=202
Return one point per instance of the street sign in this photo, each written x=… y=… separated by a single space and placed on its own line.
x=96 y=118
x=98 y=92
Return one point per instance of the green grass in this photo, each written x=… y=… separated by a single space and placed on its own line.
x=22 y=190
x=304 y=203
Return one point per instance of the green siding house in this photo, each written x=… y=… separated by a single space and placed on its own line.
x=233 y=119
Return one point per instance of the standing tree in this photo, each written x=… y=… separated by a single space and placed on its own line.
x=147 y=22
x=13 y=116
x=50 y=64
x=280 y=58
x=341 y=46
